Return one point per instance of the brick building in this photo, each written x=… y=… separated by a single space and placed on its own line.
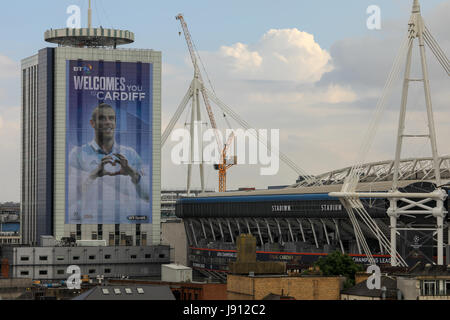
x=256 y=287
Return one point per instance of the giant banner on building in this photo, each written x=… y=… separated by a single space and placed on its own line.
x=109 y=142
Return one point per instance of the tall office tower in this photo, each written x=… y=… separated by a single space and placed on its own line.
x=91 y=126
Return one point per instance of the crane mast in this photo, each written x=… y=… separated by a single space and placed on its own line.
x=198 y=76
x=193 y=94
x=224 y=165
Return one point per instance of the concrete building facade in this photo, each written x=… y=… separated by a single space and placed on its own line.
x=44 y=125
x=173 y=234
x=51 y=263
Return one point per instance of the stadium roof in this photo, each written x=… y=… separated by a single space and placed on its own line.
x=375 y=177
x=420 y=169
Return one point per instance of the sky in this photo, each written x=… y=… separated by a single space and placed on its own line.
x=311 y=69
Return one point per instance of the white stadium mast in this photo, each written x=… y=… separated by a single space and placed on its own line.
x=416 y=203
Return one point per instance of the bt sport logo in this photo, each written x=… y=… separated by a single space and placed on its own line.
x=86 y=69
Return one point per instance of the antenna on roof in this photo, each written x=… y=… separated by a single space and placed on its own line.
x=416 y=7
x=90 y=16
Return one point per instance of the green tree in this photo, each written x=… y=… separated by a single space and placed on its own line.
x=338 y=264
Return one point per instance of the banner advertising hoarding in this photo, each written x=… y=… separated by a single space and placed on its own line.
x=109 y=142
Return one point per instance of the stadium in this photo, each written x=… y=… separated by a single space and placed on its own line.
x=300 y=223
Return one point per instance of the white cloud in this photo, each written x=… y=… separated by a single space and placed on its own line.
x=240 y=58
x=9 y=126
x=280 y=55
x=9 y=129
x=8 y=68
x=10 y=150
x=338 y=94
x=332 y=94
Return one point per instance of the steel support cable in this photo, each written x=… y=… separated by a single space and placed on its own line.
x=358 y=232
x=371 y=228
x=311 y=180
x=352 y=180
x=247 y=126
x=362 y=238
x=383 y=241
x=382 y=101
x=436 y=49
x=368 y=137
x=436 y=46
x=355 y=228
x=226 y=120
x=358 y=207
x=374 y=229
x=377 y=232
x=371 y=224
x=442 y=60
x=203 y=65
x=445 y=65
x=176 y=116
x=362 y=241
x=284 y=158
x=210 y=114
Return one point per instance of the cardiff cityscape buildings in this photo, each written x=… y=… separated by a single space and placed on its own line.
x=91 y=196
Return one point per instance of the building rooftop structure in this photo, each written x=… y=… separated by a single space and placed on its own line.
x=182 y=291
x=127 y=292
x=429 y=270
x=176 y=266
x=425 y=281
x=89 y=37
x=388 y=290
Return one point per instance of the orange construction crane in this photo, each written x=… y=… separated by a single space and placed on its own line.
x=225 y=164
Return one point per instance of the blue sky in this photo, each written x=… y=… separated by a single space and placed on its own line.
x=212 y=23
x=321 y=96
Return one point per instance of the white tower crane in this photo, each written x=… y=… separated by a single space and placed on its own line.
x=196 y=87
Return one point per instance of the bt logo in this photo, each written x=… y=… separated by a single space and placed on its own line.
x=86 y=69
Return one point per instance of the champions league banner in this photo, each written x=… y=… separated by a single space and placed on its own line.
x=109 y=142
